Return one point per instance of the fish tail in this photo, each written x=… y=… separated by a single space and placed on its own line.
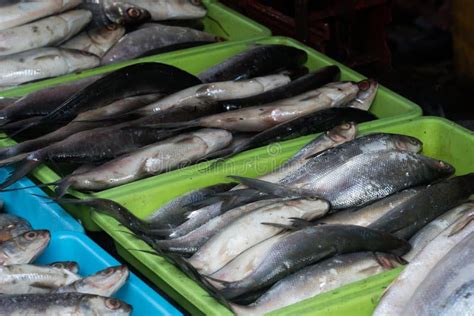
x=23 y=170
x=63 y=186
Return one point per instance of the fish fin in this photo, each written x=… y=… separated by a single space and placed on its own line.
x=295 y=224
x=461 y=224
x=41 y=285
x=23 y=170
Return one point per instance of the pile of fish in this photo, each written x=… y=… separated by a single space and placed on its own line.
x=56 y=288
x=48 y=38
x=341 y=209
x=150 y=118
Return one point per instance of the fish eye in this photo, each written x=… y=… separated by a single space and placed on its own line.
x=107 y=271
x=31 y=235
x=111 y=27
x=413 y=141
x=364 y=85
x=112 y=303
x=133 y=13
x=346 y=126
x=196 y=2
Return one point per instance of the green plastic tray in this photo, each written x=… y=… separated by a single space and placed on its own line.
x=442 y=139
x=388 y=106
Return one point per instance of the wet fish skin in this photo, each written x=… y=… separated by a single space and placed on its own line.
x=306 y=246
x=49 y=31
x=97 y=41
x=11 y=226
x=112 y=12
x=24 y=248
x=172 y=10
x=365 y=96
x=319 y=278
x=43 y=63
x=68 y=265
x=27 y=278
x=105 y=282
x=61 y=304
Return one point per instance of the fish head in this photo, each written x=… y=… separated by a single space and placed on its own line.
x=407 y=143
x=27 y=246
x=365 y=96
x=127 y=14
x=192 y=9
x=110 y=279
x=66 y=265
x=104 y=305
x=343 y=132
x=442 y=167
x=340 y=92
x=12 y=227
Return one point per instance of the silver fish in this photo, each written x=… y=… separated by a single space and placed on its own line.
x=319 y=278
x=23 y=12
x=105 y=283
x=12 y=226
x=248 y=231
x=24 y=248
x=62 y=304
x=45 y=32
x=366 y=95
x=97 y=41
x=68 y=265
x=172 y=9
x=43 y=63
x=107 y=12
x=27 y=278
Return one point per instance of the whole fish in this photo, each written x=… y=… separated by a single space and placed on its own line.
x=67 y=265
x=62 y=304
x=402 y=289
x=24 y=248
x=151 y=160
x=21 y=12
x=43 y=63
x=260 y=118
x=319 y=278
x=105 y=282
x=213 y=92
x=248 y=231
x=434 y=228
x=115 y=12
x=296 y=250
x=97 y=41
x=144 y=40
x=448 y=288
x=172 y=9
x=28 y=278
x=45 y=32
x=310 y=81
x=256 y=61
x=12 y=226
x=409 y=217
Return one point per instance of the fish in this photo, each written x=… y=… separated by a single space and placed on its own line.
x=402 y=289
x=248 y=231
x=319 y=278
x=260 y=118
x=12 y=226
x=22 y=12
x=448 y=288
x=97 y=41
x=408 y=218
x=49 y=31
x=172 y=10
x=154 y=159
x=6 y=101
x=256 y=61
x=105 y=282
x=434 y=228
x=213 y=92
x=43 y=63
x=62 y=304
x=269 y=262
x=143 y=40
x=24 y=248
x=67 y=265
x=115 y=12
x=310 y=81
x=28 y=278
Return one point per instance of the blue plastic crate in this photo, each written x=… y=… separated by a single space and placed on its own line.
x=73 y=246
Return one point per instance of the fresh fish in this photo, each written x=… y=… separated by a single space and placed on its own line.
x=448 y=288
x=151 y=160
x=5 y=102
x=12 y=226
x=319 y=278
x=115 y=12
x=172 y=9
x=365 y=97
x=256 y=61
x=141 y=41
x=28 y=278
x=24 y=248
x=21 y=12
x=296 y=87
x=248 y=231
x=237 y=140
x=43 y=63
x=196 y=24
x=45 y=32
x=434 y=228
x=67 y=265
x=408 y=218
x=62 y=304
x=295 y=250
x=171 y=48
x=105 y=283
x=97 y=41
x=260 y=118
x=402 y=289
x=213 y=92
